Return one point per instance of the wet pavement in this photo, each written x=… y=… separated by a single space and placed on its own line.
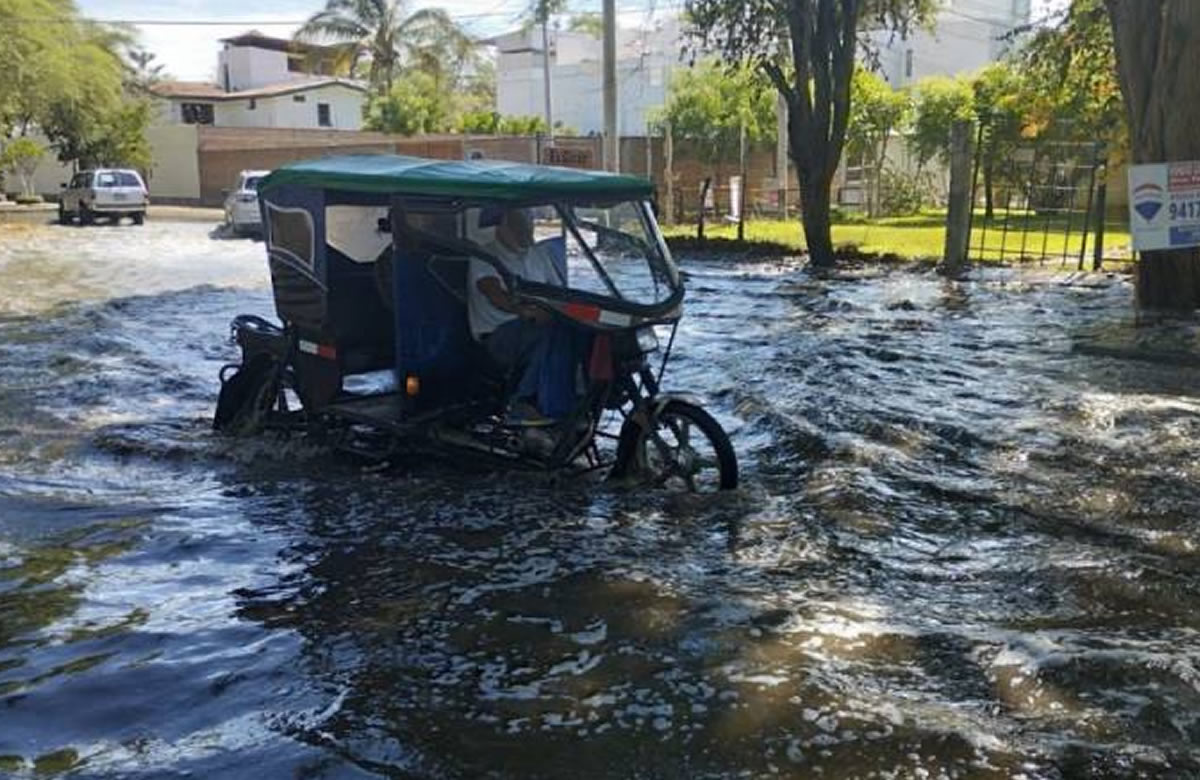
x=966 y=546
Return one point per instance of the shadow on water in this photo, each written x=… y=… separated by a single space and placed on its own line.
x=965 y=549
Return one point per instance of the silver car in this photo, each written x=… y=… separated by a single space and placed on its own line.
x=241 y=204
x=104 y=192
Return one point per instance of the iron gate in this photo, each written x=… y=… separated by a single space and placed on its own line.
x=1047 y=203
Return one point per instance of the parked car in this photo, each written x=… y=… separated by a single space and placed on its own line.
x=104 y=192
x=241 y=204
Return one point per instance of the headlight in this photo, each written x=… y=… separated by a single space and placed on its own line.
x=647 y=339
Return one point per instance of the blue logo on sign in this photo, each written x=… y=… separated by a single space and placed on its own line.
x=1148 y=201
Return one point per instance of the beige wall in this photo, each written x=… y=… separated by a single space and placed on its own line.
x=175 y=174
x=48 y=177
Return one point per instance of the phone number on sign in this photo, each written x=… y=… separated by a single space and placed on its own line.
x=1185 y=209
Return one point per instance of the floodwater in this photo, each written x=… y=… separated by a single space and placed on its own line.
x=966 y=546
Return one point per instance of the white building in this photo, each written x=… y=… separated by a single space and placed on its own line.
x=967 y=35
x=267 y=82
x=645 y=59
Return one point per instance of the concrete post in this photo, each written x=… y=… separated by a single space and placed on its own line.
x=669 y=173
x=741 y=227
x=781 y=153
x=958 y=215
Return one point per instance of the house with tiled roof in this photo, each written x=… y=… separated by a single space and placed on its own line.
x=268 y=82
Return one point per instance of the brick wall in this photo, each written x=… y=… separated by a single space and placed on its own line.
x=225 y=151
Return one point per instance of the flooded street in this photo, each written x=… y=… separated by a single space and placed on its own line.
x=965 y=546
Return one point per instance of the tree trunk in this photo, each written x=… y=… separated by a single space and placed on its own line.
x=1158 y=55
x=823 y=37
x=815 y=203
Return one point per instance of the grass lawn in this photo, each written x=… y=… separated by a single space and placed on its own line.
x=924 y=235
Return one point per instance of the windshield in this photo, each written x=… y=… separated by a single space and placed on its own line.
x=251 y=183
x=610 y=250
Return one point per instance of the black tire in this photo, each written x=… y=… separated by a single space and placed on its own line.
x=85 y=214
x=63 y=217
x=138 y=217
x=649 y=454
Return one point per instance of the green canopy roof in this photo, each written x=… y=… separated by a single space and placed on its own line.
x=482 y=179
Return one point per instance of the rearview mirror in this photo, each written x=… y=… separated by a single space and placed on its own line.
x=62 y=185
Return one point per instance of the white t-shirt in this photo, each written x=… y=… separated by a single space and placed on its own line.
x=535 y=264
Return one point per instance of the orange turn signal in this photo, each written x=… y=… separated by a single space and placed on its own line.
x=412 y=385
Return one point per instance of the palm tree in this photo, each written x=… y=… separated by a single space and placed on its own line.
x=539 y=13
x=389 y=38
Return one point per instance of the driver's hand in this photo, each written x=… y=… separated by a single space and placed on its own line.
x=538 y=314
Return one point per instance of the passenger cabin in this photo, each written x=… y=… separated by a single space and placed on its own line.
x=369 y=256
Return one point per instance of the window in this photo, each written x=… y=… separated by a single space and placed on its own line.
x=127 y=179
x=323 y=115
x=196 y=113
x=299 y=98
x=908 y=64
x=106 y=179
x=253 y=104
x=290 y=234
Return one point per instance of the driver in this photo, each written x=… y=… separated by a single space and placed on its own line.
x=516 y=335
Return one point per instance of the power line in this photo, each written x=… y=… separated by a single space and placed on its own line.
x=649 y=8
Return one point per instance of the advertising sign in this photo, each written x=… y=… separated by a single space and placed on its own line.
x=1164 y=205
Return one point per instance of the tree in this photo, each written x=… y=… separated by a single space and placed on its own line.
x=143 y=71
x=709 y=104
x=539 y=14
x=21 y=156
x=807 y=48
x=588 y=23
x=999 y=104
x=521 y=125
x=875 y=111
x=389 y=38
x=68 y=79
x=479 y=123
x=415 y=104
x=938 y=102
x=1157 y=45
x=1070 y=73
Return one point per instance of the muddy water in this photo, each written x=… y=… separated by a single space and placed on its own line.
x=965 y=547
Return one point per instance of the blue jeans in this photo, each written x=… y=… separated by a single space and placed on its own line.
x=521 y=344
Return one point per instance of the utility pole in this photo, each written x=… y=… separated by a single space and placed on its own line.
x=612 y=144
x=544 y=11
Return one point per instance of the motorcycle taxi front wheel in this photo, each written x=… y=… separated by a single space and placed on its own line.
x=684 y=449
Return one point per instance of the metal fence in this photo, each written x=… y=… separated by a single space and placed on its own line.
x=1044 y=201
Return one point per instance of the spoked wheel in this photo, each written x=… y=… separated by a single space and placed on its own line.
x=686 y=450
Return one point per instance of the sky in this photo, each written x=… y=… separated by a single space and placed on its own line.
x=190 y=51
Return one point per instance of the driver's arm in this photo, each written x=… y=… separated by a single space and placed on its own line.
x=491 y=288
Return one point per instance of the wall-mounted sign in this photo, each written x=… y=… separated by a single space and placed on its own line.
x=1164 y=205
x=565 y=155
